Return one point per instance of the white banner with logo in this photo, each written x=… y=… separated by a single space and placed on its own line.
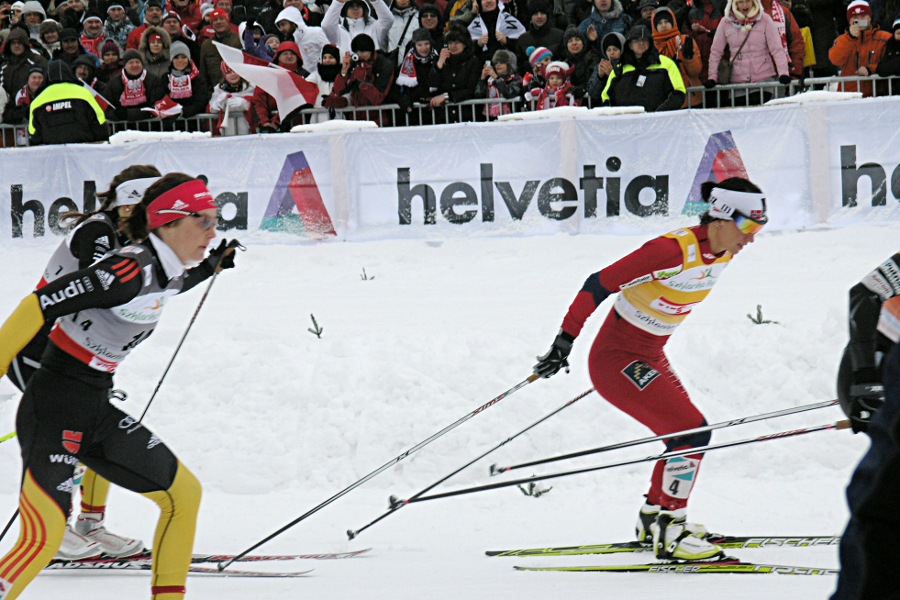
x=822 y=162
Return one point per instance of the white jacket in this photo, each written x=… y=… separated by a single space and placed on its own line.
x=309 y=39
x=341 y=30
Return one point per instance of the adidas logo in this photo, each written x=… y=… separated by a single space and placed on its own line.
x=180 y=205
x=66 y=486
x=105 y=278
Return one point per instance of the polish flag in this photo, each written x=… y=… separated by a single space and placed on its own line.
x=290 y=90
x=165 y=108
x=103 y=102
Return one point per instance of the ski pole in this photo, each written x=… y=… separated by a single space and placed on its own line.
x=531 y=378
x=845 y=424
x=217 y=270
x=396 y=504
x=9 y=523
x=495 y=470
x=8 y=436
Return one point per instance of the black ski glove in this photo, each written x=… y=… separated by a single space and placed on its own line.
x=687 y=50
x=865 y=400
x=225 y=250
x=784 y=79
x=557 y=358
x=709 y=84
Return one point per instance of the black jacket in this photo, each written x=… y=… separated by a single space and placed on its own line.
x=65 y=112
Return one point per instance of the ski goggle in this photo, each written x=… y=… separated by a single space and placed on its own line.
x=746 y=225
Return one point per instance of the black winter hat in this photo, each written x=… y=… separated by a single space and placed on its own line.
x=421 y=35
x=68 y=34
x=37 y=69
x=157 y=3
x=455 y=35
x=431 y=9
x=59 y=72
x=331 y=50
x=363 y=42
x=573 y=32
x=541 y=6
x=639 y=32
x=86 y=60
x=129 y=54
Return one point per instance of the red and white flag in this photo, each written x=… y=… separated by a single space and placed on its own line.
x=103 y=102
x=165 y=108
x=290 y=90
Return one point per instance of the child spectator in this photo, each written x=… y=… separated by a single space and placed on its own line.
x=558 y=91
x=232 y=97
x=680 y=48
x=538 y=58
x=499 y=79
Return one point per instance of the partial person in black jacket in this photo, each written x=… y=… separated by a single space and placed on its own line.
x=186 y=85
x=869 y=391
x=644 y=77
x=541 y=33
x=581 y=59
x=890 y=62
x=456 y=74
x=133 y=90
x=66 y=112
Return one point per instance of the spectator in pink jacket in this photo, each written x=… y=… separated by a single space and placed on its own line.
x=754 y=46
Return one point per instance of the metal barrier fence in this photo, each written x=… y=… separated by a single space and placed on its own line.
x=482 y=110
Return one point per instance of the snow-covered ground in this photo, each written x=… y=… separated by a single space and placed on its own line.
x=275 y=420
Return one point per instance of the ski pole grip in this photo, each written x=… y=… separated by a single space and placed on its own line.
x=845 y=424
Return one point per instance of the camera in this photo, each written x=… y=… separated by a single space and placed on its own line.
x=354 y=57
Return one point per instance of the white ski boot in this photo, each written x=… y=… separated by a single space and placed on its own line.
x=77 y=547
x=672 y=540
x=647 y=517
x=90 y=525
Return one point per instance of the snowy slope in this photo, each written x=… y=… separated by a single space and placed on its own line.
x=274 y=420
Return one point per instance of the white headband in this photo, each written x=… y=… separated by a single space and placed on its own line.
x=132 y=191
x=724 y=203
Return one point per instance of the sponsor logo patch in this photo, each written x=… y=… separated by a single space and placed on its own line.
x=106 y=278
x=66 y=486
x=66 y=459
x=640 y=373
x=71 y=440
x=154 y=442
x=129 y=425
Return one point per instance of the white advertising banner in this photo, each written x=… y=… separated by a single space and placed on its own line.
x=618 y=174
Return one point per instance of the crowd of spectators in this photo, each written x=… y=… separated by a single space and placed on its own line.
x=155 y=59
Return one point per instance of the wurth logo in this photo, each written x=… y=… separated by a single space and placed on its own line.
x=66 y=459
x=71 y=440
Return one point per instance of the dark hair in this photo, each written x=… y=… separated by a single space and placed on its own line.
x=735 y=184
x=137 y=226
x=108 y=198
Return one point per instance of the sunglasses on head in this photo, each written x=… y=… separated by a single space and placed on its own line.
x=747 y=225
x=204 y=221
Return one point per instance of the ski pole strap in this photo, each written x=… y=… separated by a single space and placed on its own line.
x=845 y=424
x=495 y=470
x=8 y=436
x=531 y=378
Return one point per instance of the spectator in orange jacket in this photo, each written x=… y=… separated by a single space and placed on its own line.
x=859 y=51
x=680 y=48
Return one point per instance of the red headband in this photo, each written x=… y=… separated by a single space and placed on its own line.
x=179 y=202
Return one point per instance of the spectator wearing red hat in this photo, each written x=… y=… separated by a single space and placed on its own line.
x=859 y=50
x=152 y=18
x=558 y=91
x=210 y=59
x=171 y=22
x=117 y=25
x=155 y=44
x=110 y=62
x=264 y=104
x=188 y=11
x=232 y=97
